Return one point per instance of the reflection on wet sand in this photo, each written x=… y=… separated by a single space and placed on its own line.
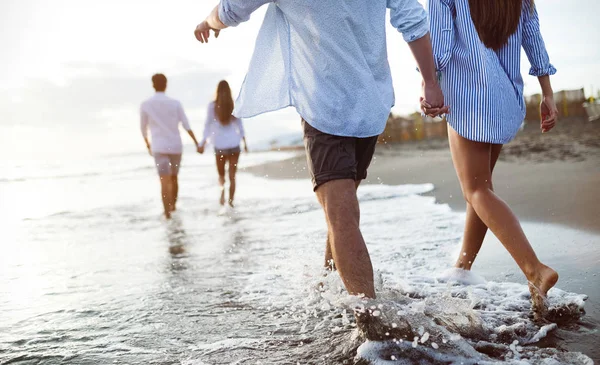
x=176 y=237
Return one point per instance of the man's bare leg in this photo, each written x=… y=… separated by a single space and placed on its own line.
x=348 y=249
x=329 y=263
x=175 y=192
x=166 y=193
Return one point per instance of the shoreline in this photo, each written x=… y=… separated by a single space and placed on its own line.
x=547 y=192
x=554 y=178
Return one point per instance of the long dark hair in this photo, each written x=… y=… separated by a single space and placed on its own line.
x=496 y=20
x=223 y=103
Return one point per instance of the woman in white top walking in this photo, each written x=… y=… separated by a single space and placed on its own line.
x=477 y=46
x=225 y=133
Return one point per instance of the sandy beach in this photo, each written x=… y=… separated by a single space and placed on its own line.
x=550 y=178
x=552 y=183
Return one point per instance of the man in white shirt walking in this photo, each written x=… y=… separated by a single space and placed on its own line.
x=162 y=115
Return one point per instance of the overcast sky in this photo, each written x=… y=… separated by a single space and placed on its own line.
x=74 y=72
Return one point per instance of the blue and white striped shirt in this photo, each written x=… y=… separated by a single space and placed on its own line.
x=483 y=87
x=326 y=58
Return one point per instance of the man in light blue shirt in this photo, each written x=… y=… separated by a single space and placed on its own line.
x=328 y=59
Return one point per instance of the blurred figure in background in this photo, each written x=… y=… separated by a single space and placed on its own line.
x=225 y=132
x=162 y=115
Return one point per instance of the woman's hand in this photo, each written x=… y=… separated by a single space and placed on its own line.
x=432 y=100
x=202 y=32
x=549 y=113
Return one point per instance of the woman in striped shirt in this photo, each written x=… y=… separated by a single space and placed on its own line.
x=477 y=46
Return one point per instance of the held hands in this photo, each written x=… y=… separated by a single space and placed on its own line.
x=202 y=32
x=549 y=113
x=432 y=101
x=200 y=149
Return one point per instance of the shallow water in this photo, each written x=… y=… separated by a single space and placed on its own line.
x=92 y=274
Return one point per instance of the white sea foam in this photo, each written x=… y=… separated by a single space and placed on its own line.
x=543 y=332
x=410 y=239
x=459 y=276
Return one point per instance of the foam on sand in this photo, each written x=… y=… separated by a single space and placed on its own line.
x=459 y=276
x=485 y=321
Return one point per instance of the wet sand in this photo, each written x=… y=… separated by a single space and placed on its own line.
x=552 y=183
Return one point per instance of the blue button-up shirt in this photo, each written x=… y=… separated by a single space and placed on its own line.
x=327 y=58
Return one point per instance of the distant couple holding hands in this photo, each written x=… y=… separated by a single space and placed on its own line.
x=330 y=62
x=162 y=115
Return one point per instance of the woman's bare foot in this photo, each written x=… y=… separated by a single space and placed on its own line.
x=545 y=279
x=231 y=203
x=222 y=199
x=548 y=278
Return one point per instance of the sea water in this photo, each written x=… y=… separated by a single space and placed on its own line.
x=91 y=273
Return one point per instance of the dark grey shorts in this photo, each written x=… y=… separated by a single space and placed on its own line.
x=167 y=164
x=228 y=151
x=336 y=158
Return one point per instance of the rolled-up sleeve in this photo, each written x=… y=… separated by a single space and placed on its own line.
x=533 y=43
x=442 y=31
x=409 y=18
x=234 y=12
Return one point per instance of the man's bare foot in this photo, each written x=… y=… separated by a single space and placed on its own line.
x=168 y=215
x=222 y=199
x=231 y=203
x=372 y=325
x=545 y=280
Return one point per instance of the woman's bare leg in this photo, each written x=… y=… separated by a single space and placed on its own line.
x=233 y=162
x=475 y=229
x=472 y=164
x=221 y=170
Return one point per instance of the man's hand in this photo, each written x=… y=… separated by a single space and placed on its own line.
x=200 y=149
x=549 y=113
x=202 y=32
x=432 y=100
